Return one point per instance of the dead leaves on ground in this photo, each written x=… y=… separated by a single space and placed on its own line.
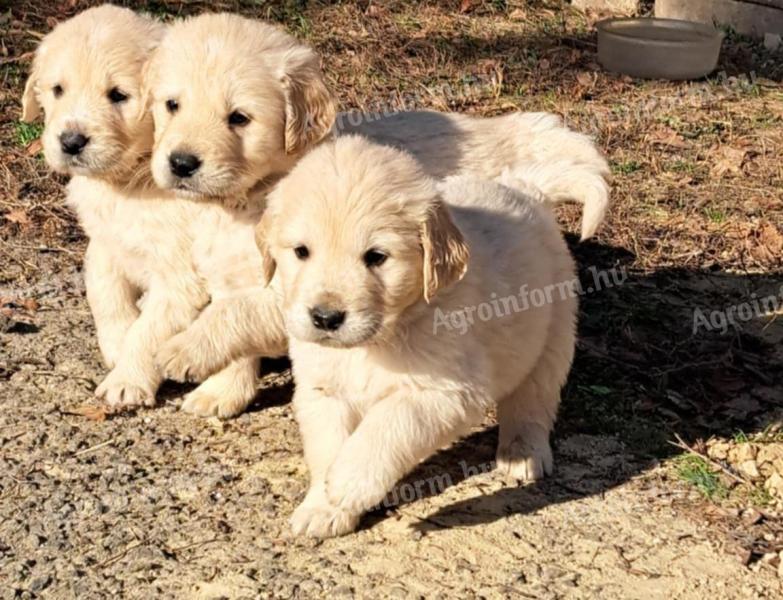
x=90 y=412
x=729 y=159
x=17 y=314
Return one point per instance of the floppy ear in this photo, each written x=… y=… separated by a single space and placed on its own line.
x=309 y=107
x=148 y=73
x=268 y=264
x=446 y=253
x=30 y=106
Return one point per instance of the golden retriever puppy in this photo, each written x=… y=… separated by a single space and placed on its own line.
x=142 y=280
x=237 y=103
x=373 y=271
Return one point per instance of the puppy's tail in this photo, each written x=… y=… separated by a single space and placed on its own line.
x=564 y=180
x=564 y=164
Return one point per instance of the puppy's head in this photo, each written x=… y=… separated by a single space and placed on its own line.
x=87 y=78
x=358 y=235
x=234 y=100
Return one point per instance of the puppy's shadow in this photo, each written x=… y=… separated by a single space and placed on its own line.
x=276 y=387
x=648 y=366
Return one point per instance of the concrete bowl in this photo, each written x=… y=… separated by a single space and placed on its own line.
x=658 y=48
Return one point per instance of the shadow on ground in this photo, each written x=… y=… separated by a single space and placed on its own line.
x=648 y=367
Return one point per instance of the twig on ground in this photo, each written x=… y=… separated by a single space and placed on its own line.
x=93 y=448
x=680 y=443
x=120 y=555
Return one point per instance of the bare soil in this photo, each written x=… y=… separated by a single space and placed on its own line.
x=159 y=504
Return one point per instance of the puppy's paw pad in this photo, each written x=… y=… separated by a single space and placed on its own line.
x=204 y=403
x=175 y=362
x=520 y=461
x=322 y=521
x=201 y=404
x=124 y=394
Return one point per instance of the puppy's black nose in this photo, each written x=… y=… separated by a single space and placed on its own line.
x=73 y=142
x=327 y=319
x=182 y=164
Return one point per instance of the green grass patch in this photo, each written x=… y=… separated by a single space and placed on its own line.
x=741 y=438
x=626 y=167
x=27 y=132
x=682 y=166
x=715 y=215
x=697 y=472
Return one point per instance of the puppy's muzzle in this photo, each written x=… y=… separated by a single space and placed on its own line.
x=73 y=142
x=183 y=164
x=327 y=319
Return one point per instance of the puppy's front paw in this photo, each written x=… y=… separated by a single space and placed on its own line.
x=176 y=360
x=356 y=487
x=119 y=390
x=527 y=456
x=322 y=520
x=204 y=403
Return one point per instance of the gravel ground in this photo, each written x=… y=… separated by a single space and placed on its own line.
x=160 y=504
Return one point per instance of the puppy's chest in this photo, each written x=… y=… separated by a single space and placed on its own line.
x=146 y=233
x=351 y=375
x=225 y=253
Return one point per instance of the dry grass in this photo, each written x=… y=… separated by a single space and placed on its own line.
x=698 y=189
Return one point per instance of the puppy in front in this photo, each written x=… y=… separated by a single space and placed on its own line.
x=367 y=258
x=237 y=103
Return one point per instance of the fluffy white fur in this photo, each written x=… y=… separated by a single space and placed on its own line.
x=212 y=66
x=154 y=260
x=384 y=390
x=450 y=143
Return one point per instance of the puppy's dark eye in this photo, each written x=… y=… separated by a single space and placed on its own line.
x=117 y=96
x=301 y=252
x=57 y=90
x=238 y=119
x=172 y=106
x=374 y=258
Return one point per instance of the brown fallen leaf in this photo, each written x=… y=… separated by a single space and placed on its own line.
x=18 y=216
x=34 y=147
x=466 y=5
x=729 y=160
x=91 y=412
x=770 y=236
x=585 y=79
x=666 y=137
x=518 y=15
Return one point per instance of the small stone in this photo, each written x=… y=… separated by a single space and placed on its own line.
x=40 y=583
x=743 y=453
x=719 y=450
x=772 y=41
x=769 y=453
x=343 y=590
x=749 y=468
x=774 y=485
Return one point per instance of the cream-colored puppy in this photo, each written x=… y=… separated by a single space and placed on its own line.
x=369 y=268
x=236 y=105
x=87 y=76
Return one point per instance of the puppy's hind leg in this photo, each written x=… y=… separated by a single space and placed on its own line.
x=527 y=415
x=227 y=393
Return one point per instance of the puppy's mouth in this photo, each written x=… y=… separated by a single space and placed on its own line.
x=92 y=164
x=354 y=333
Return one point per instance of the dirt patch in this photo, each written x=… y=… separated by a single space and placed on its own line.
x=158 y=503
